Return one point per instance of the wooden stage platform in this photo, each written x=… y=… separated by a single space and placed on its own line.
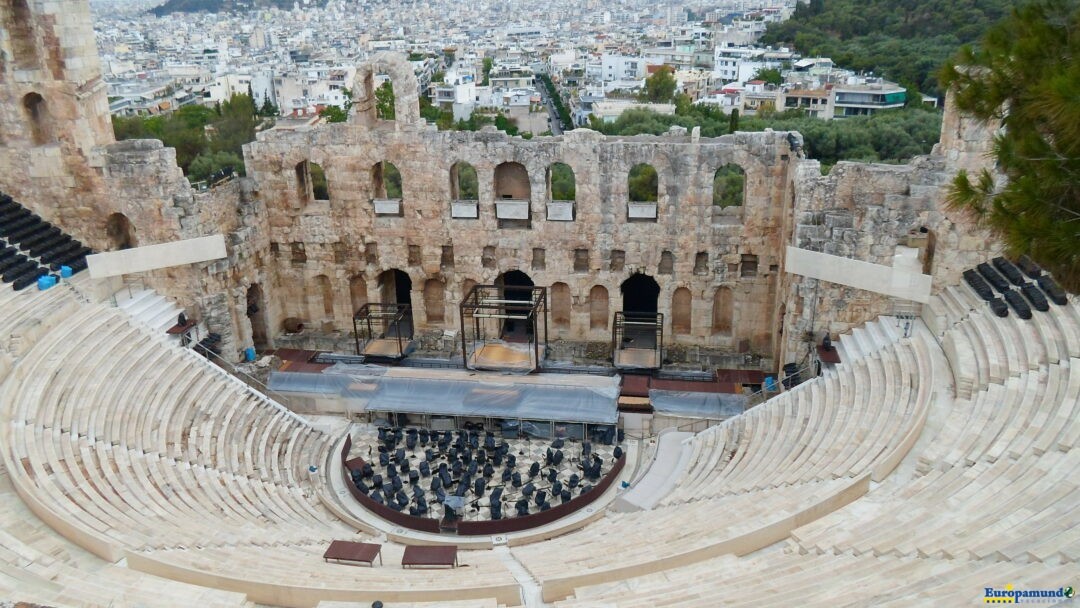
x=512 y=357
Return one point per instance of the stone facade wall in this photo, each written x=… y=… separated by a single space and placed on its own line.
x=343 y=238
x=720 y=271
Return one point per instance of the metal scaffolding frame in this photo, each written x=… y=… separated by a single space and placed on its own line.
x=381 y=322
x=487 y=309
x=631 y=334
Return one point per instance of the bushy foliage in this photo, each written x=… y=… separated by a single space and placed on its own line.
x=1026 y=73
x=728 y=184
x=660 y=87
x=903 y=40
x=563 y=185
x=893 y=136
x=207 y=164
x=643 y=184
x=197 y=131
x=384 y=101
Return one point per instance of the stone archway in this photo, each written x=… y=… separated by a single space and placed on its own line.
x=641 y=294
x=514 y=331
x=406 y=90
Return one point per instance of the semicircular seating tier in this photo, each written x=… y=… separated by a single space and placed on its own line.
x=927 y=466
x=134 y=448
x=988 y=496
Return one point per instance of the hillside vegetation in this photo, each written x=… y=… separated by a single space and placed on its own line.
x=905 y=41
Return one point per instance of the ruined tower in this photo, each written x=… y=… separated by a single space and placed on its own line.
x=53 y=103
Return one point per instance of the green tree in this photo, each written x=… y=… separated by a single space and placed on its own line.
x=769 y=75
x=563 y=186
x=488 y=64
x=333 y=114
x=660 y=87
x=643 y=184
x=733 y=120
x=468 y=184
x=1026 y=73
x=236 y=126
x=728 y=184
x=206 y=164
x=268 y=108
x=902 y=40
x=384 y=101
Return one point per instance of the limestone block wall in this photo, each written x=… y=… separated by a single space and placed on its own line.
x=53 y=104
x=689 y=245
x=865 y=211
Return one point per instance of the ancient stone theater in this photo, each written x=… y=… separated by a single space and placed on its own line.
x=390 y=365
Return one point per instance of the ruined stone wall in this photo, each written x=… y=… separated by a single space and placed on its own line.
x=53 y=106
x=865 y=212
x=344 y=240
x=720 y=271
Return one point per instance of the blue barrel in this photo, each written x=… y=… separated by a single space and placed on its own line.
x=65 y=271
x=770 y=383
x=43 y=283
x=249 y=354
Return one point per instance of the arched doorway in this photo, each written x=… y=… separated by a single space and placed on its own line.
x=395 y=287
x=640 y=294
x=120 y=231
x=257 y=317
x=514 y=286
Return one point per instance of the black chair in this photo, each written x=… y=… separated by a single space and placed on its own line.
x=425 y=468
x=1036 y=297
x=534 y=469
x=1029 y=267
x=978 y=284
x=18 y=270
x=1019 y=306
x=1010 y=271
x=1053 y=290
x=996 y=280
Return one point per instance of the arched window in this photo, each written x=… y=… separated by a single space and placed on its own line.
x=681 y=313
x=729 y=185
x=598 y=307
x=512 y=182
x=120 y=231
x=560 y=305
x=643 y=184
x=320 y=189
x=434 y=301
x=386 y=180
x=37 y=118
x=561 y=183
x=464 y=186
x=311 y=182
x=723 y=311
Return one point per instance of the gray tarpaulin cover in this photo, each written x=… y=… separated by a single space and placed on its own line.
x=697 y=405
x=446 y=397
